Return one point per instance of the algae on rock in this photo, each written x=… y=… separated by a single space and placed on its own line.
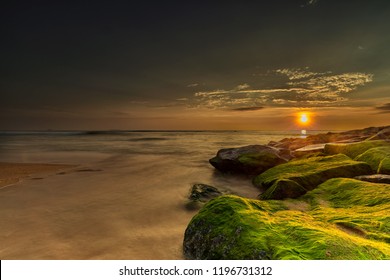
x=252 y=159
x=308 y=174
x=345 y=219
x=384 y=166
x=377 y=158
x=353 y=149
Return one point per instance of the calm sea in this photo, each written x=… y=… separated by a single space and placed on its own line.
x=132 y=205
x=185 y=143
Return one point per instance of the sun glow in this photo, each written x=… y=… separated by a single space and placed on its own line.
x=303 y=118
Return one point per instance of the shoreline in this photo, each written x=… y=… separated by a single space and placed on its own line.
x=100 y=210
x=12 y=173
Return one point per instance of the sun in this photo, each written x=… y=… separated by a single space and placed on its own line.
x=303 y=118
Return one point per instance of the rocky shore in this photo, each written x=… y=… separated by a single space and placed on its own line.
x=326 y=196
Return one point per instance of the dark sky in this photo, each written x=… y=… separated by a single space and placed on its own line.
x=194 y=64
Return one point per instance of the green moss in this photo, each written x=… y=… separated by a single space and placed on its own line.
x=374 y=156
x=283 y=188
x=364 y=205
x=262 y=160
x=384 y=166
x=353 y=149
x=311 y=172
x=348 y=219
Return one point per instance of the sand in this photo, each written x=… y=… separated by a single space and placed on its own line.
x=11 y=173
x=104 y=210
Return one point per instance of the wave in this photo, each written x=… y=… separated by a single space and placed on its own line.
x=148 y=139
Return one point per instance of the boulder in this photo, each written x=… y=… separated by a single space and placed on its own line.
x=309 y=150
x=353 y=149
x=203 y=192
x=200 y=194
x=382 y=134
x=376 y=157
x=309 y=173
x=376 y=178
x=253 y=159
x=384 y=166
x=345 y=219
x=283 y=188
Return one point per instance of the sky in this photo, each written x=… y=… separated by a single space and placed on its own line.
x=194 y=65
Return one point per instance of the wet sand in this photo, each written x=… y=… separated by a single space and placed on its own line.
x=119 y=207
x=12 y=173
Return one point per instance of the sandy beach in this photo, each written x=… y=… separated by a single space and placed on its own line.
x=12 y=173
x=62 y=212
x=105 y=210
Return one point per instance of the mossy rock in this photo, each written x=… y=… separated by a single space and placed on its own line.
x=203 y=192
x=200 y=194
x=345 y=219
x=375 y=178
x=252 y=159
x=384 y=166
x=282 y=189
x=375 y=156
x=309 y=151
x=311 y=172
x=353 y=149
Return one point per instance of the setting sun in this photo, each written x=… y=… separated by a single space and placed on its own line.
x=303 y=118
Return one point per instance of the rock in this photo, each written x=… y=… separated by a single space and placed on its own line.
x=376 y=178
x=353 y=149
x=350 y=136
x=340 y=222
x=200 y=194
x=374 y=157
x=203 y=192
x=252 y=159
x=283 y=188
x=384 y=166
x=383 y=134
x=310 y=172
x=309 y=150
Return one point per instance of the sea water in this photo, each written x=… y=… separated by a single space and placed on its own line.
x=129 y=201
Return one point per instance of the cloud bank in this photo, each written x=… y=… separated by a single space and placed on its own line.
x=298 y=88
x=385 y=108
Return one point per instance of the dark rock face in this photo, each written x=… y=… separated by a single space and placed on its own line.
x=253 y=159
x=200 y=194
x=376 y=178
x=203 y=192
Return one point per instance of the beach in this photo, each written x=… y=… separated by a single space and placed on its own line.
x=107 y=196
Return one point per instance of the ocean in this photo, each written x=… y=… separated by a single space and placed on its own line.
x=125 y=199
x=173 y=151
x=189 y=144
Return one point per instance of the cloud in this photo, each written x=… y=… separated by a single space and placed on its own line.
x=248 y=108
x=241 y=87
x=301 y=88
x=193 y=85
x=384 y=108
x=309 y=3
